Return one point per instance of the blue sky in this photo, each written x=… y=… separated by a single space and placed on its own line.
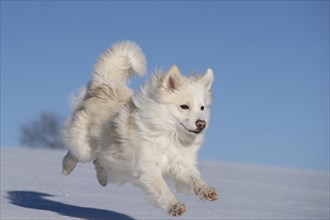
x=270 y=58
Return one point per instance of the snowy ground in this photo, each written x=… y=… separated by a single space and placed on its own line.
x=32 y=187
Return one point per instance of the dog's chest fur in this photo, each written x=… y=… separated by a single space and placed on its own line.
x=169 y=154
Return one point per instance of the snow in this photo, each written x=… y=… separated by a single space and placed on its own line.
x=33 y=187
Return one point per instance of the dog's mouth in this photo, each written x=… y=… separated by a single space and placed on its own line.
x=192 y=131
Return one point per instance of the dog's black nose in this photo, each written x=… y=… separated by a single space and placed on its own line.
x=200 y=124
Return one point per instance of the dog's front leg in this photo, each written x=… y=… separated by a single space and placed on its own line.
x=205 y=192
x=154 y=185
x=190 y=179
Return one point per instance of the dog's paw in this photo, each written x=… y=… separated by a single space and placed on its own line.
x=178 y=209
x=69 y=163
x=103 y=180
x=100 y=173
x=209 y=194
x=65 y=172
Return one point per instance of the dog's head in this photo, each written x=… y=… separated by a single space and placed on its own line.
x=188 y=100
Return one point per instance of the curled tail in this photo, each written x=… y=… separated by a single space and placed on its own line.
x=117 y=63
x=100 y=100
x=112 y=70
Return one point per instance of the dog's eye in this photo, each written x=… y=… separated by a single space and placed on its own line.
x=202 y=108
x=184 y=106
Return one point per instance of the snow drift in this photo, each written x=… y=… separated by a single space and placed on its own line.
x=33 y=187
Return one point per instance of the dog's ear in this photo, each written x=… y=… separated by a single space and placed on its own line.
x=173 y=78
x=207 y=79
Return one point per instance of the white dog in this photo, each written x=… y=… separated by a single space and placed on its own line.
x=142 y=137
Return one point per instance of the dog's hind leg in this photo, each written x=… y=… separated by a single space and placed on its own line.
x=101 y=173
x=69 y=163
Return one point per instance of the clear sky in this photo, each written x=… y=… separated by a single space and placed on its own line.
x=270 y=58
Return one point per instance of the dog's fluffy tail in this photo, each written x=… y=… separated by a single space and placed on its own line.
x=103 y=97
x=117 y=63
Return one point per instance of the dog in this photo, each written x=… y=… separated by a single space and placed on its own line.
x=143 y=137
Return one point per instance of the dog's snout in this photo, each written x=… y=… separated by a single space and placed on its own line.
x=200 y=124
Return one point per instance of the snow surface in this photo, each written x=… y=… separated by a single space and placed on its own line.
x=33 y=187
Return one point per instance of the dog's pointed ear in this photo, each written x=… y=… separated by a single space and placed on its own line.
x=173 y=78
x=207 y=79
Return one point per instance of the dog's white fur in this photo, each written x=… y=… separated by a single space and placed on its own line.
x=142 y=137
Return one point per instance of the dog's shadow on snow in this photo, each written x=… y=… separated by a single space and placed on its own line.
x=37 y=200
